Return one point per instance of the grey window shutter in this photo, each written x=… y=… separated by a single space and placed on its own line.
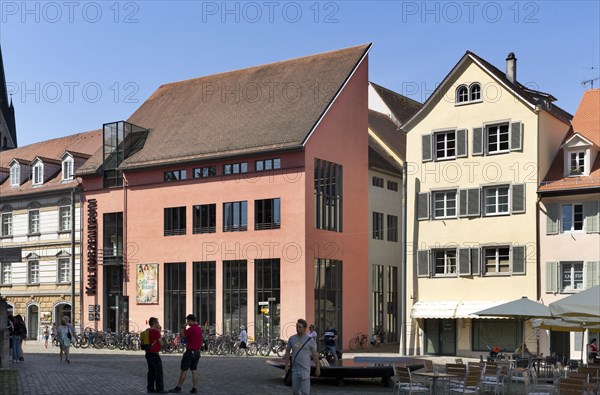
x=518 y=198
x=464 y=262
x=422 y=263
x=551 y=276
x=461 y=143
x=423 y=206
x=518 y=259
x=473 y=204
x=552 y=218
x=477 y=141
x=591 y=211
x=516 y=136
x=427 y=154
x=475 y=267
x=462 y=202
x=592 y=274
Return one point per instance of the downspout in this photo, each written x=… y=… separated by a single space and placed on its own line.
x=403 y=279
x=73 y=194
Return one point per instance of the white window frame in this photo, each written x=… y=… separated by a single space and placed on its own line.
x=496 y=197
x=37 y=174
x=449 y=262
x=579 y=157
x=462 y=94
x=471 y=89
x=63 y=268
x=446 y=142
x=572 y=219
x=497 y=261
x=33 y=272
x=34 y=222
x=64 y=220
x=67 y=169
x=571 y=289
x=7 y=224
x=15 y=175
x=499 y=134
x=6 y=273
x=448 y=196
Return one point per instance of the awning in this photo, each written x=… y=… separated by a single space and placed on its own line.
x=451 y=309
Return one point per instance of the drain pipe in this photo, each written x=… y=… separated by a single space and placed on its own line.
x=403 y=279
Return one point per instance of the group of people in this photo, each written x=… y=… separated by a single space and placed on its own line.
x=192 y=333
x=18 y=333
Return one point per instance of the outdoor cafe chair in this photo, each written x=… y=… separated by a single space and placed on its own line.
x=470 y=384
x=457 y=369
x=404 y=382
x=571 y=386
x=494 y=377
x=534 y=388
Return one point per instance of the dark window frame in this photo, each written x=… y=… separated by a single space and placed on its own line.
x=204 y=218
x=233 y=210
x=267 y=214
x=205 y=291
x=175 y=295
x=392 y=228
x=235 y=295
x=378 y=232
x=175 y=221
x=328 y=194
x=204 y=172
x=175 y=175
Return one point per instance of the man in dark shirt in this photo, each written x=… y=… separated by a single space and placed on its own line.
x=155 y=369
x=330 y=336
x=193 y=337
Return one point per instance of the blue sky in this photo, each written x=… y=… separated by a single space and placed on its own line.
x=73 y=66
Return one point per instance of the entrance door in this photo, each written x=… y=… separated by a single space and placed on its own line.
x=560 y=343
x=33 y=319
x=440 y=337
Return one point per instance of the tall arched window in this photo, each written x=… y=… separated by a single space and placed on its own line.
x=462 y=94
x=475 y=92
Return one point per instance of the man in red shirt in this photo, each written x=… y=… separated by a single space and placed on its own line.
x=193 y=338
x=155 y=369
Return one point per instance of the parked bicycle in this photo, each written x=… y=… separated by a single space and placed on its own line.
x=359 y=340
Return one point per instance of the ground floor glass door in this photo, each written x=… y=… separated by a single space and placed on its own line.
x=440 y=337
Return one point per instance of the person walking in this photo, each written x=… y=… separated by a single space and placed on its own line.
x=243 y=339
x=298 y=353
x=330 y=336
x=593 y=351
x=64 y=335
x=155 y=369
x=192 y=333
x=21 y=332
x=14 y=340
x=46 y=334
x=312 y=332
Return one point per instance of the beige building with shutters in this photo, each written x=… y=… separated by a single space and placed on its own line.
x=477 y=151
x=570 y=222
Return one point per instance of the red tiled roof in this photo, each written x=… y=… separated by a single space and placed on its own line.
x=587 y=118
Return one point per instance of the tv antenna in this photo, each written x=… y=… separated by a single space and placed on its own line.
x=590 y=82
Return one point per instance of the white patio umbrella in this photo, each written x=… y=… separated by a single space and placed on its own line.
x=521 y=309
x=584 y=306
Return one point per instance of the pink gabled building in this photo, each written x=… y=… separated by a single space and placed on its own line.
x=241 y=197
x=569 y=222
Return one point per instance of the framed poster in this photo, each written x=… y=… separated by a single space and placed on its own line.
x=147 y=283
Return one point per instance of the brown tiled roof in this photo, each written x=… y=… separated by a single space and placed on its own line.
x=586 y=123
x=269 y=107
x=388 y=132
x=48 y=160
x=84 y=143
x=379 y=159
x=402 y=107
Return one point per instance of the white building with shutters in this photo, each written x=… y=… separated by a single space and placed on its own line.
x=476 y=152
x=570 y=222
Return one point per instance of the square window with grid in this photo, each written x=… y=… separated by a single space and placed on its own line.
x=445 y=145
x=444 y=262
x=33 y=272
x=572 y=218
x=64 y=270
x=496 y=200
x=497 y=138
x=497 y=260
x=577 y=163
x=64 y=219
x=7 y=228
x=444 y=204
x=571 y=276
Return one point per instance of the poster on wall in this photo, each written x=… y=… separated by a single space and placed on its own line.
x=147 y=283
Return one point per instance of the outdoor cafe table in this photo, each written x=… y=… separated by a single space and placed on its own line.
x=434 y=376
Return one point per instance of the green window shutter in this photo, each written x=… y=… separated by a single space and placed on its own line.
x=423 y=206
x=591 y=210
x=516 y=136
x=423 y=263
x=551 y=277
x=518 y=198
x=464 y=262
x=477 y=141
x=426 y=148
x=518 y=258
x=592 y=274
x=475 y=267
x=552 y=210
x=461 y=143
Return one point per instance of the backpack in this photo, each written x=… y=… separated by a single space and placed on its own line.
x=145 y=340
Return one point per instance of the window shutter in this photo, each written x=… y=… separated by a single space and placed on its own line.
x=477 y=141
x=461 y=143
x=475 y=268
x=423 y=263
x=552 y=218
x=468 y=202
x=427 y=154
x=518 y=259
x=592 y=274
x=551 y=277
x=591 y=211
x=423 y=206
x=464 y=262
x=516 y=136
x=462 y=202
x=518 y=198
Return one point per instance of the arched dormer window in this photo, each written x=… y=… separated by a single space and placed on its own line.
x=67 y=168
x=462 y=94
x=37 y=173
x=475 y=92
x=15 y=175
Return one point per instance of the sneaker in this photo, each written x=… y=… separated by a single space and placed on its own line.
x=193 y=391
x=176 y=390
x=21 y=359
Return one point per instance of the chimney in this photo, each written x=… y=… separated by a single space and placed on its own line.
x=511 y=67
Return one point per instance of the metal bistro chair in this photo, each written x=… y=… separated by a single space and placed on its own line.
x=494 y=377
x=532 y=388
x=571 y=386
x=404 y=382
x=469 y=385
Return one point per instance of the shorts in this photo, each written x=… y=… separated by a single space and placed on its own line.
x=190 y=359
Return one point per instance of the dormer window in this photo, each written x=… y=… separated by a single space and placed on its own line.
x=577 y=163
x=468 y=94
x=475 y=92
x=38 y=173
x=67 y=169
x=15 y=175
x=462 y=94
